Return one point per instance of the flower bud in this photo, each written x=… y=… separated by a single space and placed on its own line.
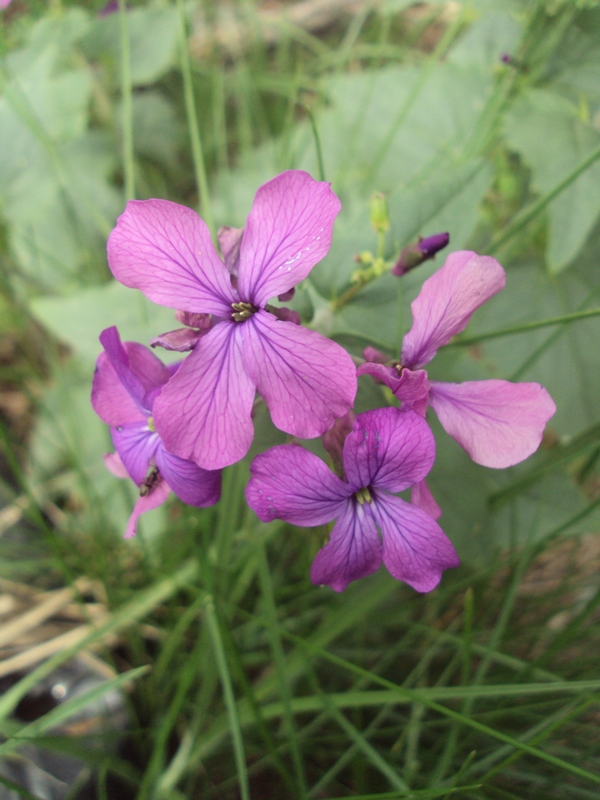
x=414 y=254
x=380 y=221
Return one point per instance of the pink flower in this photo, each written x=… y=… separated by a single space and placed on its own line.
x=387 y=451
x=204 y=413
x=127 y=381
x=497 y=422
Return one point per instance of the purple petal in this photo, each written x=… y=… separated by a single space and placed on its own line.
x=497 y=422
x=136 y=445
x=421 y=496
x=334 y=438
x=203 y=413
x=157 y=497
x=287 y=296
x=388 y=449
x=285 y=314
x=200 y=321
x=192 y=484
x=306 y=380
x=415 y=549
x=230 y=241
x=411 y=386
x=371 y=354
x=352 y=552
x=447 y=301
x=181 y=340
x=115 y=465
x=288 y=231
x=290 y=483
x=110 y=399
x=165 y=250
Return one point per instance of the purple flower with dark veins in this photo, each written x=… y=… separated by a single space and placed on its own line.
x=307 y=381
x=497 y=422
x=387 y=450
x=127 y=382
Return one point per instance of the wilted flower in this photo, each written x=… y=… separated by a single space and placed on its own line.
x=497 y=422
x=164 y=249
x=127 y=381
x=414 y=254
x=387 y=451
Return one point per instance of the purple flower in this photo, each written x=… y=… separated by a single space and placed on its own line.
x=387 y=451
x=414 y=254
x=164 y=249
x=127 y=381
x=497 y=422
x=5 y=3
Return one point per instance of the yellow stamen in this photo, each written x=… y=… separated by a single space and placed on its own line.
x=151 y=424
x=364 y=495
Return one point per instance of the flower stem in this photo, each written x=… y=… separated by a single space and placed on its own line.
x=317 y=139
x=192 y=120
x=528 y=326
x=127 y=100
x=532 y=210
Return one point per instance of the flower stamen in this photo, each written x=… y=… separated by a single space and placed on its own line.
x=243 y=311
x=364 y=496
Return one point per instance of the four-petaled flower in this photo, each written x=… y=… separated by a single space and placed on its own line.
x=497 y=422
x=127 y=382
x=204 y=412
x=387 y=451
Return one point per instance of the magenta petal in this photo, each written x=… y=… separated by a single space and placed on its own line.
x=136 y=445
x=447 y=301
x=110 y=399
x=388 y=449
x=415 y=549
x=334 y=438
x=180 y=340
x=290 y=483
x=497 y=422
x=192 y=484
x=230 y=241
x=115 y=465
x=203 y=413
x=200 y=321
x=421 y=496
x=157 y=497
x=372 y=354
x=288 y=231
x=306 y=380
x=165 y=250
x=285 y=314
x=411 y=386
x=286 y=296
x=353 y=550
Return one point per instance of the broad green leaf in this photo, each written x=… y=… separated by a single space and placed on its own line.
x=153 y=36
x=78 y=319
x=552 y=138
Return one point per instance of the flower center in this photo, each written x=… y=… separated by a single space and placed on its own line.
x=151 y=424
x=242 y=311
x=363 y=496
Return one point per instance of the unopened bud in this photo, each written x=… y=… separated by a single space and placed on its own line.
x=414 y=254
x=380 y=221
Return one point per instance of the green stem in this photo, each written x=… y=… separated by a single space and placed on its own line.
x=529 y=212
x=317 y=139
x=204 y=203
x=228 y=696
x=527 y=326
x=127 y=99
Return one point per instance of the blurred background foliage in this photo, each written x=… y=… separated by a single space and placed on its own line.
x=481 y=118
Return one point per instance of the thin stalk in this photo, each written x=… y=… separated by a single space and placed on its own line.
x=315 y=132
x=527 y=326
x=228 y=696
x=204 y=203
x=533 y=209
x=127 y=100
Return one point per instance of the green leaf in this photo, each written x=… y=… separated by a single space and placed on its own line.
x=552 y=138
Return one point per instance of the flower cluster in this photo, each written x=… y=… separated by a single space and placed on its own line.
x=175 y=428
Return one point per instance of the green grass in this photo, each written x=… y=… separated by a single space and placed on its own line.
x=256 y=684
